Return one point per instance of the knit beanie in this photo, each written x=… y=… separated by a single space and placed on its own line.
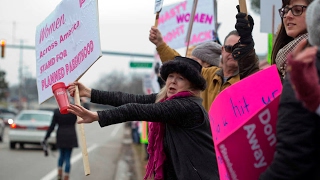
x=313 y=22
x=209 y=52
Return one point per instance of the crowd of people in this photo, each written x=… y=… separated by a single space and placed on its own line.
x=180 y=142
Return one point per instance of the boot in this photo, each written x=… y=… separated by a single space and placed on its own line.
x=66 y=176
x=59 y=174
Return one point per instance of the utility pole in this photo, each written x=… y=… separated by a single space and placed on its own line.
x=113 y=53
x=20 y=74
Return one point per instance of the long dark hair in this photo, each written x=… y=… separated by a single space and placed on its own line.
x=282 y=37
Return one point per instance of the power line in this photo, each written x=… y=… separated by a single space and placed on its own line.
x=103 y=52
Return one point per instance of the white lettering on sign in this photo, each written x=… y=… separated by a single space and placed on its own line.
x=224 y=152
x=60 y=93
x=255 y=147
x=265 y=118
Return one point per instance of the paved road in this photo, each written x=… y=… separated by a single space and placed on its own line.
x=109 y=151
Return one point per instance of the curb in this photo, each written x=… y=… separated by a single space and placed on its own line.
x=127 y=165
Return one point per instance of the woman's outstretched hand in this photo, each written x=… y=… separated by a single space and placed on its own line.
x=83 y=90
x=86 y=116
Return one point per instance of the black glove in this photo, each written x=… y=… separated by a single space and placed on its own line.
x=244 y=27
x=242 y=51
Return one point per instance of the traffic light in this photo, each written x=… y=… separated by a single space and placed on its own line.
x=3 y=45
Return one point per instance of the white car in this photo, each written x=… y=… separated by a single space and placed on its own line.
x=30 y=127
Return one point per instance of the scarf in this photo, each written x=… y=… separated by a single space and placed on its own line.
x=281 y=58
x=155 y=146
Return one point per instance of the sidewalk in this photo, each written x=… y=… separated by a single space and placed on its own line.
x=130 y=165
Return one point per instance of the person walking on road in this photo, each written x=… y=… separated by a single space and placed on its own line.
x=180 y=139
x=66 y=140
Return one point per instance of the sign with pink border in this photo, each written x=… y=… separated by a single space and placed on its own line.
x=67 y=44
x=243 y=120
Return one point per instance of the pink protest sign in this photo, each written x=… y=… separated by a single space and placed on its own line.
x=174 y=20
x=243 y=119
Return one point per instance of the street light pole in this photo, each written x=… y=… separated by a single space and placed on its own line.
x=20 y=74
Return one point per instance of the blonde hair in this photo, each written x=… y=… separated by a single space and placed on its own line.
x=163 y=93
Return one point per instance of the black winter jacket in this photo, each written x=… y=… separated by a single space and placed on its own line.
x=188 y=142
x=297 y=154
x=66 y=133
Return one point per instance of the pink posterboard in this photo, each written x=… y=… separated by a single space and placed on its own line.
x=243 y=120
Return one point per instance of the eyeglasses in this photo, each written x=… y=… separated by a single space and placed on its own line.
x=296 y=10
x=229 y=48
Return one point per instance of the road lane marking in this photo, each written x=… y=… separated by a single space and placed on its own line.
x=115 y=130
x=53 y=174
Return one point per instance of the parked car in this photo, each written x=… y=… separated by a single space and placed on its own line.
x=7 y=118
x=2 y=126
x=30 y=127
x=6 y=110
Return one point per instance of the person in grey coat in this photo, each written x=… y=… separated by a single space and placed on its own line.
x=180 y=139
x=66 y=139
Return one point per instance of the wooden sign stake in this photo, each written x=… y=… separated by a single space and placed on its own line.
x=157 y=18
x=82 y=136
x=194 y=8
x=243 y=6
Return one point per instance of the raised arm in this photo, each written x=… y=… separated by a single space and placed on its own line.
x=244 y=52
x=165 y=52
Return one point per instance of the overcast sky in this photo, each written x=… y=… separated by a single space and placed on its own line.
x=124 y=27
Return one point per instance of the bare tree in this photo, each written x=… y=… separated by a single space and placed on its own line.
x=118 y=81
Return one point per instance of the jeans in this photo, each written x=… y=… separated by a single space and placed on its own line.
x=65 y=155
x=135 y=135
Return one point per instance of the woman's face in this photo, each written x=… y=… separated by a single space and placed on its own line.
x=295 y=25
x=176 y=83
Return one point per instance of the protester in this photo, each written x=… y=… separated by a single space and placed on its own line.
x=303 y=70
x=66 y=139
x=180 y=140
x=238 y=60
x=292 y=30
x=207 y=54
x=159 y=79
x=135 y=132
x=297 y=153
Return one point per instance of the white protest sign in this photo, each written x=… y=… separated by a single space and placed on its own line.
x=67 y=44
x=174 y=21
x=158 y=6
x=147 y=84
x=266 y=15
